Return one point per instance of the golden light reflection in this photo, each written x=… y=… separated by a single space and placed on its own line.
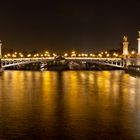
x=74 y=95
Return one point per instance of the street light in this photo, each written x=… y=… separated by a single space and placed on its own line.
x=29 y=55
x=108 y=55
x=132 y=52
x=65 y=54
x=8 y=54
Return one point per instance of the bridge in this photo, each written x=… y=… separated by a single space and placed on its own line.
x=21 y=61
x=113 y=62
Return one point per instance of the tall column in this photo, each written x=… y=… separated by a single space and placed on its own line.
x=0 y=53
x=0 y=49
x=139 y=44
x=125 y=46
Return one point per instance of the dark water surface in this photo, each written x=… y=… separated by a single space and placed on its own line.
x=79 y=105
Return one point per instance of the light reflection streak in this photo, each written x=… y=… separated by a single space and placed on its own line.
x=70 y=98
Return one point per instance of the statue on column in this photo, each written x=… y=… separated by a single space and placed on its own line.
x=139 y=33
x=125 y=38
x=0 y=56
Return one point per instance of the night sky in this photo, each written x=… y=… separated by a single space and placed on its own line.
x=66 y=25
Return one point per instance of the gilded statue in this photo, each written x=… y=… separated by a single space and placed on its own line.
x=125 y=38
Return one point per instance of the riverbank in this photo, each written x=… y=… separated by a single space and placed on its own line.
x=133 y=70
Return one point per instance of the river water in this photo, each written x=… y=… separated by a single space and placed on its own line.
x=79 y=105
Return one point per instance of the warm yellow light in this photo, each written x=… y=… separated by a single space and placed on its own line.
x=133 y=52
x=41 y=55
x=115 y=54
x=21 y=55
x=86 y=55
x=100 y=55
x=15 y=52
x=65 y=54
x=105 y=52
x=13 y=55
x=8 y=54
x=29 y=55
x=125 y=53
x=108 y=55
x=91 y=54
x=73 y=54
x=54 y=55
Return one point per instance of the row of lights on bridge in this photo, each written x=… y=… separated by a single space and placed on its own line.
x=73 y=54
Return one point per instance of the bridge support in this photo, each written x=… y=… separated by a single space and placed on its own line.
x=1 y=70
x=139 y=44
x=125 y=47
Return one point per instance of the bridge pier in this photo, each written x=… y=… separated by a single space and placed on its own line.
x=1 y=68
x=139 y=44
x=125 y=47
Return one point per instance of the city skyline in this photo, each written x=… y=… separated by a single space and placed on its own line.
x=61 y=26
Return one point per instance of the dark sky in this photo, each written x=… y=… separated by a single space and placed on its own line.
x=66 y=25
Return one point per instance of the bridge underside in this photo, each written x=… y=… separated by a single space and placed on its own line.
x=112 y=63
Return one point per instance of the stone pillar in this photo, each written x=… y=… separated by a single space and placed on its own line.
x=0 y=49
x=0 y=54
x=139 y=44
x=125 y=47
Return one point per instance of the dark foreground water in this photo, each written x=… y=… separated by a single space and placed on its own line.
x=79 y=105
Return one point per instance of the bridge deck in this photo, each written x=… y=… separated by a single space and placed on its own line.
x=103 y=61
